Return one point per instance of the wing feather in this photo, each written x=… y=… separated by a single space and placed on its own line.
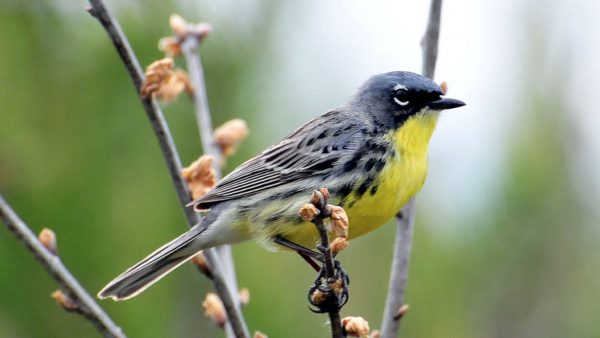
x=313 y=149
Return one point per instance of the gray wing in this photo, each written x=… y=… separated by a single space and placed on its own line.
x=313 y=149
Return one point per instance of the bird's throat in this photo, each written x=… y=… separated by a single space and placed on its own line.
x=412 y=138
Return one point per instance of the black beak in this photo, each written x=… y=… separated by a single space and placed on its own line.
x=445 y=103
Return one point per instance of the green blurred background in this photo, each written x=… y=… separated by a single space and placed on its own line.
x=506 y=243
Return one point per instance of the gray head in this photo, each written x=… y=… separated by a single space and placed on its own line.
x=391 y=98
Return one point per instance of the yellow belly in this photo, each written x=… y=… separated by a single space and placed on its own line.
x=400 y=179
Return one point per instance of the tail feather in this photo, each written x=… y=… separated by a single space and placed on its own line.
x=155 y=266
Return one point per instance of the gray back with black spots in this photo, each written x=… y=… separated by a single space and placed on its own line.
x=319 y=148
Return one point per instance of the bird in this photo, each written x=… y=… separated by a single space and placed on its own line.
x=370 y=153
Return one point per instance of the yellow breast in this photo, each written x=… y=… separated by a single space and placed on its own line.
x=400 y=179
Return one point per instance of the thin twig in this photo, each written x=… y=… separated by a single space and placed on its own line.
x=53 y=265
x=334 y=312
x=429 y=44
x=167 y=145
x=399 y=270
x=332 y=308
x=406 y=217
x=191 y=52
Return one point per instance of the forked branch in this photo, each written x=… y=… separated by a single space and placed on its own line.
x=167 y=145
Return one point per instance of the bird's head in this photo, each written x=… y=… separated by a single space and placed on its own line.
x=391 y=98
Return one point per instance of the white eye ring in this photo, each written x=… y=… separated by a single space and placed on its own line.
x=402 y=103
x=399 y=86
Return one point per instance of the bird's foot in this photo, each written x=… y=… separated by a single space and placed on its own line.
x=327 y=294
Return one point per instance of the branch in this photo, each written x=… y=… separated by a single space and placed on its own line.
x=334 y=311
x=399 y=270
x=406 y=217
x=85 y=304
x=167 y=145
x=189 y=48
x=329 y=296
x=191 y=52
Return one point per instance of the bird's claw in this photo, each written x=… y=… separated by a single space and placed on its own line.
x=327 y=294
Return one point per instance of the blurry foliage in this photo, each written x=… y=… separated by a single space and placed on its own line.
x=77 y=155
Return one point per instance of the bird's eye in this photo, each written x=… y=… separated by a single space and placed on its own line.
x=400 y=102
x=401 y=96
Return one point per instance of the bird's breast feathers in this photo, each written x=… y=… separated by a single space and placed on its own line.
x=368 y=206
x=400 y=179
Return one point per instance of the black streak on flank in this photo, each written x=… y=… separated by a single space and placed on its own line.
x=352 y=163
x=362 y=189
x=345 y=190
x=376 y=147
x=380 y=164
x=374 y=190
x=369 y=164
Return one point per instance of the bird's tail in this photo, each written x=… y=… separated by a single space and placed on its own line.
x=155 y=266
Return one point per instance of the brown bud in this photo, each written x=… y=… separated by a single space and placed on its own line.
x=200 y=30
x=402 y=310
x=156 y=73
x=48 y=239
x=170 y=45
x=163 y=82
x=308 y=212
x=259 y=334
x=318 y=297
x=177 y=83
x=325 y=193
x=178 y=24
x=182 y=28
x=244 y=296
x=315 y=197
x=339 y=221
x=375 y=334
x=64 y=301
x=337 y=286
x=213 y=308
x=444 y=87
x=200 y=261
x=356 y=327
x=229 y=135
x=200 y=176
x=339 y=244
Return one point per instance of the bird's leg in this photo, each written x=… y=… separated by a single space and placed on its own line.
x=298 y=248
x=307 y=254
x=310 y=256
